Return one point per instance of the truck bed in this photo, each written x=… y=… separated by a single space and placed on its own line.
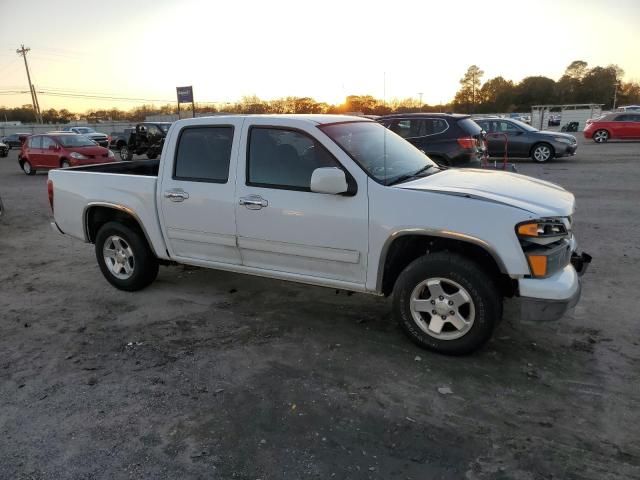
x=128 y=186
x=147 y=168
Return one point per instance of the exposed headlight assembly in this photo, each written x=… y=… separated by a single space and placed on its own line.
x=77 y=156
x=546 y=244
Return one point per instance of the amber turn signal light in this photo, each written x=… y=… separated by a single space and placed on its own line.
x=528 y=229
x=538 y=265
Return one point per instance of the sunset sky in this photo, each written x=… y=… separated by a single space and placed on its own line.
x=324 y=49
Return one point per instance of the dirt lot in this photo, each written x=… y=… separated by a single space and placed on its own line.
x=216 y=375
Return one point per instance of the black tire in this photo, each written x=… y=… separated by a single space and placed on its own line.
x=65 y=164
x=486 y=302
x=542 y=152
x=601 y=136
x=126 y=155
x=144 y=265
x=27 y=168
x=4 y=153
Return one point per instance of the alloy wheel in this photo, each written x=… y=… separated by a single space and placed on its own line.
x=118 y=256
x=542 y=153
x=442 y=308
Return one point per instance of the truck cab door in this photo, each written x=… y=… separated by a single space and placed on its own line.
x=285 y=227
x=196 y=196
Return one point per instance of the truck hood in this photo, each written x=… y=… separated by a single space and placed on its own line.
x=544 y=199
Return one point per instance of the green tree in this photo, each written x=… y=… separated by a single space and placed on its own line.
x=536 y=90
x=468 y=95
x=497 y=95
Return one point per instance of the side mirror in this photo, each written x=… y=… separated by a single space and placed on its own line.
x=329 y=180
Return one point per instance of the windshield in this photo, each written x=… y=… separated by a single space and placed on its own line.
x=165 y=127
x=84 y=130
x=75 y=141
x=384 y=155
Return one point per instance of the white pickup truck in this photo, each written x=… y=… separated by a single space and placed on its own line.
x=334 y=201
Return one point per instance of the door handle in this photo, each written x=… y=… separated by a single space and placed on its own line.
x=254 y=202
x=176 y=195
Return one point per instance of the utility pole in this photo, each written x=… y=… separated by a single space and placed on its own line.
x=23 y=51
x=615 y=94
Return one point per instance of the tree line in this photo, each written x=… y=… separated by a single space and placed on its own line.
x=579 y=84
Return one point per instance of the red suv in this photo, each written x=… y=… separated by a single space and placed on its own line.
x=622 y=125
x=55 y=150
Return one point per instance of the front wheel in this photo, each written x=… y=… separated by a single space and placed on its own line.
x=125 y=258
x=447 y=303
x=542 y=153
x=601 y=136
x=126 y=155
x=65 y=164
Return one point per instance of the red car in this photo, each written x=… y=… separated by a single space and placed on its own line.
x=621 y=125
x=60 y=150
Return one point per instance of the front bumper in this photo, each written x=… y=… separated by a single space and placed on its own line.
x=548 y=299
x=564 y=150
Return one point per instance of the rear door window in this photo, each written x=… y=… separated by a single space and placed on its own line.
x=47 y=142
x=35 y=142
x=434 y=126
x=203 y=154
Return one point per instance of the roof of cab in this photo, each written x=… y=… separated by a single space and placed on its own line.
x=316 y=119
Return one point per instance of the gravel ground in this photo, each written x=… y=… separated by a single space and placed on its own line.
x=215 y=375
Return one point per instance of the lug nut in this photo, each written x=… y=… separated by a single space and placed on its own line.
x=450 y=302
x=441 y=297
x=433 y=302
x=433 y=311
x=452 y=312
x=444 y=317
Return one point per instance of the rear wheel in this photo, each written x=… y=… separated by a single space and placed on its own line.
x=65 y=164
x=601 y=136
x=27 y=168
x=447 y=303
x=542 y=153
x=126 y=154
x=125 y=258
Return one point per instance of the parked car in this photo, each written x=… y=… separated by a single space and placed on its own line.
x=525 y=141
x=448 y=139
x=554 y=120
x=119 y=139
x=4 y=150
x=1 y=207
x=100 y=138
x=335 y=201
x=61 y=150
x=14 y=140
x=613 y=126
x=147 y=138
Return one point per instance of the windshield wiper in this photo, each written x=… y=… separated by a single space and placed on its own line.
x=409 y=176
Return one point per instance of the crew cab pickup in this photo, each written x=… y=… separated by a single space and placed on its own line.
x=334 y=201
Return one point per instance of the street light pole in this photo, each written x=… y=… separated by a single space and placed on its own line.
x=615 y=94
